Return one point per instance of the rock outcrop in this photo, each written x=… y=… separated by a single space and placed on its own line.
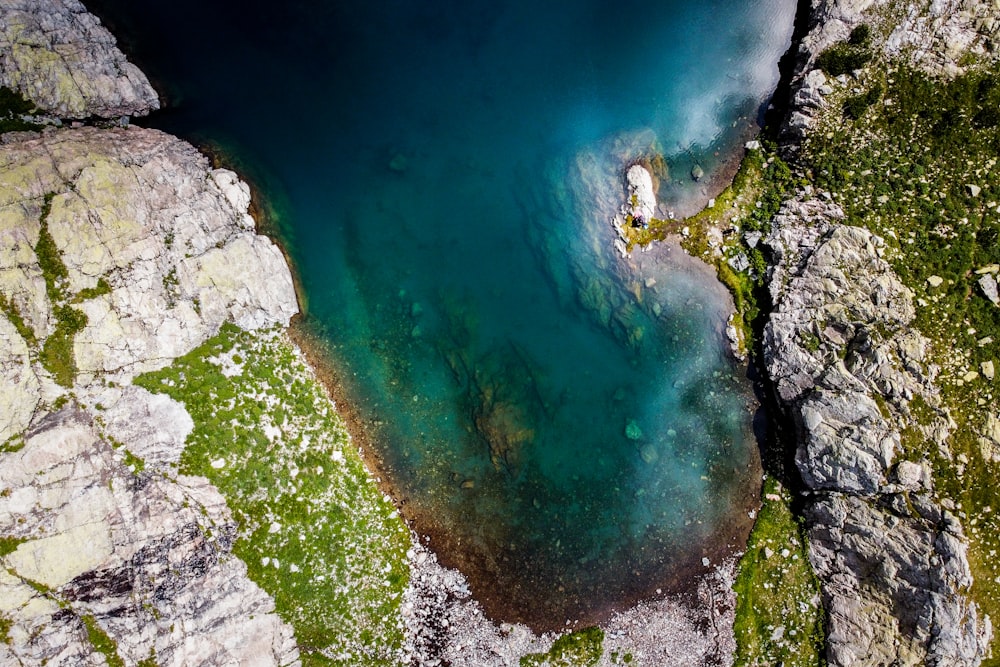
x=846 y=363
x=156 y=249
x=60 y=57
x=144 y=559
x=120 y=249
x=933 y=36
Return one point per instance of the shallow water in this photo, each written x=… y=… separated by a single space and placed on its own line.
x=567 y=428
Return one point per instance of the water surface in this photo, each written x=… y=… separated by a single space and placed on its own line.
x=566 y=427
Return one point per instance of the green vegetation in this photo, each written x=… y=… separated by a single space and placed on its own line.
x=101 y=642
x=12 y=107
x=846 y=57
x=920 y=169
x=9 y=308
x=761 y=184
x=12 y=444
x=9 y=544
x=57 y=351
x=779 y=619
x=314 y=530
x=580 y=648
x=103 y=287
x=136 y=464
x=5 y=625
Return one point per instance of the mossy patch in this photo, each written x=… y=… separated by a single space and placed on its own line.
x=9 y=544
x=10 y=310
x=314 y=530
x=102 y=642
x=779 y=619
x=580 y=648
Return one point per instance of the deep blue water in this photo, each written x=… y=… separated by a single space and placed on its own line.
x=567 y=428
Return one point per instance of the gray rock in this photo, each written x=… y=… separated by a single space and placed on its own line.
x=894 y=579
x=988 y=284
x=61 y=58
x=846 y=361
x=149 y=558
x=845 y=444
x=739 y=262
x=641 y=199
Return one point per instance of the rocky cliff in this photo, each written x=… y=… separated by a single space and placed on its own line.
x=120 y=249
x=850 y=368
x=61 y=58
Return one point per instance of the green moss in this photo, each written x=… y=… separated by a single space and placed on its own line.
x=845 y=57
x=102 y=287
x=9 y=308
x=580 y=648
x=101 y=642
x=57 y=355
x=134 y=462
x=9 y=545
x=314 y=530
x=49 y=258
x=5 y=625
x=779 y=620
x=12 y=444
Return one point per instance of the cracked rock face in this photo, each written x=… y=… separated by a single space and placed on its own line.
x=846 y=362
x=146 y=557
x=143 y=212
x=61 y=58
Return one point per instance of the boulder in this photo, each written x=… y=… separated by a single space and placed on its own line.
x=988 y=284
x=641 y=198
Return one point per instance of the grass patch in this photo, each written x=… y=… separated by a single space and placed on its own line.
x=920 y=170
x=846 y=57
x=581 y=648
x=5 y=625
x=57 y=351
x=314 y=530
x=15 y=443
x=102 y=287
x=779 y=619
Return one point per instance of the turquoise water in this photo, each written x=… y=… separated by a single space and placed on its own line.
x=566 y=427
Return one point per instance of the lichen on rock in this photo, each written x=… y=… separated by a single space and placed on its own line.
x=60 y=57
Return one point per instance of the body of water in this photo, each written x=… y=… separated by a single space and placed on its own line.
x=568 y=428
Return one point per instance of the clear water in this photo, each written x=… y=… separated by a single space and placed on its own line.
x=566 y=427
